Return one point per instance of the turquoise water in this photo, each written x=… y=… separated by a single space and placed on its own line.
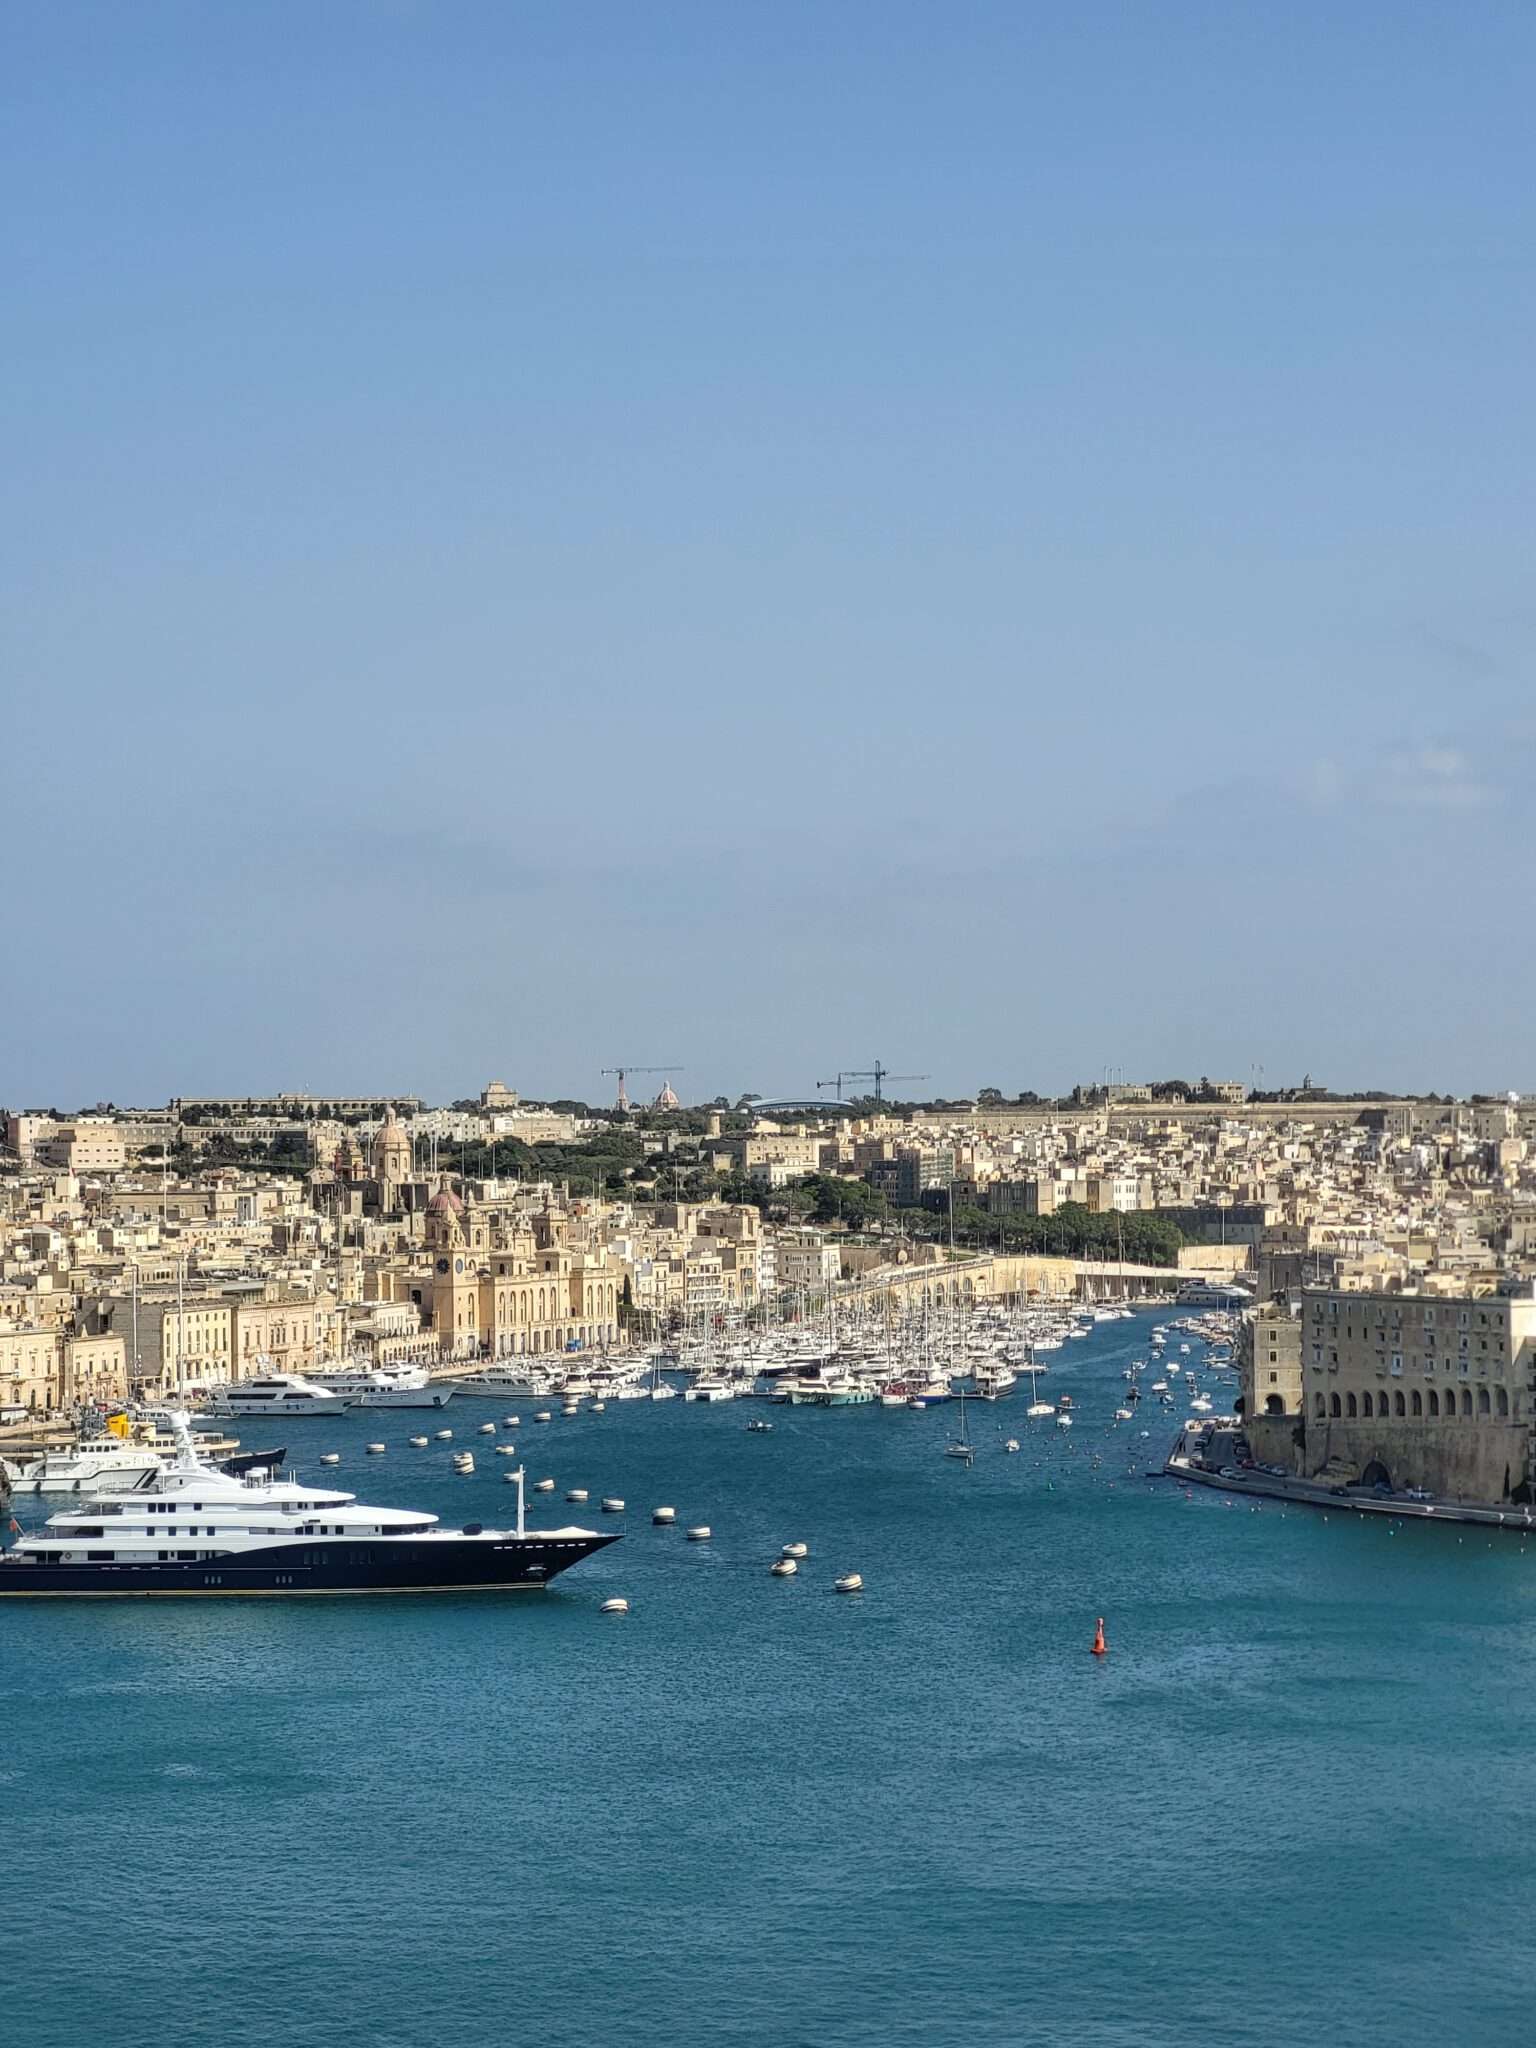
x=1293 y=1800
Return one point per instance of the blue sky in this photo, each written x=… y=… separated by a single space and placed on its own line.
x=997 y=537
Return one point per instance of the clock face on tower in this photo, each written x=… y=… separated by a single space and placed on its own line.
x=442 y=1265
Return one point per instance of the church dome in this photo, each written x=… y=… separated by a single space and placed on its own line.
x=667 y=1099
x=445 y=1202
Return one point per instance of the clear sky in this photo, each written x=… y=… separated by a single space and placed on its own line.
x=993 y=536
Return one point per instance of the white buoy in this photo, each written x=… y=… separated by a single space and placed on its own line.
x=662 y=1516
x=571 y=1408
x=783 y=1568
x=599 y=1407
x=543 y=1415
x=487 y=1429
x=614 y=1607
x=509 y=1422
x=506 y=1450
x=463 y=1466
x=543 y=1486
x=375 y=1450
x=1012 y=1444
x=612 y=1505
x=510 y=1478
x=443 y=1435
x=850 y=1582
x=699 y=1534
x=577 y=1493
x=331 y=1458
x=794 y=1550
x=419 y=1442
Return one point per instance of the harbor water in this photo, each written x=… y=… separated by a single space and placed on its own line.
x=1294 y=1797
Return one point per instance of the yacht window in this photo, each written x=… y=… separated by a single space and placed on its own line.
x=100 y=1556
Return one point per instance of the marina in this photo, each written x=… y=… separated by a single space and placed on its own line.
x=957 y=1714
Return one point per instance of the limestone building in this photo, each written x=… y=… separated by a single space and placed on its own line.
x=1420 y=1389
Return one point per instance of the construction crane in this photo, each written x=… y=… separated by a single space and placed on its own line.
x=623 y=1101
x=877 y=1073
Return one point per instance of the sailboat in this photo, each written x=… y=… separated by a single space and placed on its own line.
x=1036 y=1405
x=961 y=1446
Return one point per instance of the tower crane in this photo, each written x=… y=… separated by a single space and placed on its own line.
x=877 y=1073
x=623 y=1101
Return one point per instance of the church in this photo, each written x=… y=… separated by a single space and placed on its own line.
x=502 y=1286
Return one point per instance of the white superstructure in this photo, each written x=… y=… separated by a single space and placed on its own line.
x=275 y=1393
x=384 y=1386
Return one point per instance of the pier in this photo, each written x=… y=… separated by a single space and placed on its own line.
x=1310 y=1493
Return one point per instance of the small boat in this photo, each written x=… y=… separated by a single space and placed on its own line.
x=1012 y=1444
x=960 y=1447
x=1063 y=1422
x=1125 y=1414
x=759 y=1428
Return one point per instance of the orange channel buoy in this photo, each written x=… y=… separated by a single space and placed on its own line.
x=1100 y=1647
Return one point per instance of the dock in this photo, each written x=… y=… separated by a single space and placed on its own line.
x=1310 y=1493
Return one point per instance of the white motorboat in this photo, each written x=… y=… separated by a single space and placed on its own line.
x=275 y=1393
x=384 y=1386
x=502 y=1376
x=100 y=1464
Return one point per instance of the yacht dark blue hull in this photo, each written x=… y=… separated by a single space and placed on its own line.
x=489 y=1563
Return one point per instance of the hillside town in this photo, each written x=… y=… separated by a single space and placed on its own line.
x=1385 y=1248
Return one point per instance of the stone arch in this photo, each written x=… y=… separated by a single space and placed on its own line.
x=1366 y=1408
x=1333 y=1406
x=1399 y=1405
x=1273 y=1405
x=1416 y=1402
x=1351 y=1405
x=1503 y=1398
x=1376 y=1474
x=1484 y=1405
x=1466 y=1400
x=1320 y=1407
x=1434 y=1402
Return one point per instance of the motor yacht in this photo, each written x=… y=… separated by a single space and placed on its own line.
x=274 y=1393
x=384 y=1386
x=195 y=1530
x=99 y=1463
x=502 y=1377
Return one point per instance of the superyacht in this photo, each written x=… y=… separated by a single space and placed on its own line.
x=274 y=1393
x=191 y=1530
x=383 y=1386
